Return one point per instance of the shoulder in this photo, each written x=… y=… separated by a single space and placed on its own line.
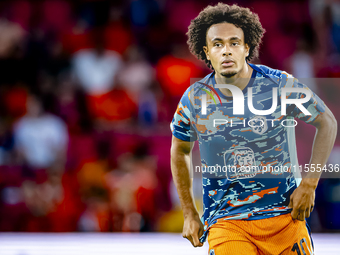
x=54 y=121
x=274 y=74
x=21 y=124
x=198 y=86
x=83 y=53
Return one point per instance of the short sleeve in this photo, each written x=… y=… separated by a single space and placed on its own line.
x=314 y=105
x=181 y=126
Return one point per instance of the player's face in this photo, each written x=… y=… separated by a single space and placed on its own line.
x=226 y=49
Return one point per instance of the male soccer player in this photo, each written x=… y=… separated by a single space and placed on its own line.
x=256 y=205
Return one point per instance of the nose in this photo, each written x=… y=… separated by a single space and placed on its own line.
x=226 y=51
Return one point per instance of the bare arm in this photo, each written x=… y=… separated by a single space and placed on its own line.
x=302 y=199
x=180 y=163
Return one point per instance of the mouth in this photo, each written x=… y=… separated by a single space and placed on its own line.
x=228 y=63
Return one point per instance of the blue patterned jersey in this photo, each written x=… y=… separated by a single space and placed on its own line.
x=248 y=162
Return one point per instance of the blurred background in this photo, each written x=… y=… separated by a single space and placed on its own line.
x=87 y=92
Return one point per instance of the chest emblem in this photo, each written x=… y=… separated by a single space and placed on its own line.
x=258 y=124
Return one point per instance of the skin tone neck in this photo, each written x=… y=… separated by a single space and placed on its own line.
x=240 y=80
x=227 y=52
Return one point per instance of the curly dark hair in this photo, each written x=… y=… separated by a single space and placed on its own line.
x=239 y=16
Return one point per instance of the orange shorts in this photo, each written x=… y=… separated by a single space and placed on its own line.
x=271 y=236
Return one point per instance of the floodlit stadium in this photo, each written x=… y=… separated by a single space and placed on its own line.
x=128 y=125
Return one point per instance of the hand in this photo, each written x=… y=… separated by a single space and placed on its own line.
x=302 y=201
x=193 y=229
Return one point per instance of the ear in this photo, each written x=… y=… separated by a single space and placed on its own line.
x=205 y=48
x=247 y=50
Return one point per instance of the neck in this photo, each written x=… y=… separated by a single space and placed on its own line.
x=241 y=79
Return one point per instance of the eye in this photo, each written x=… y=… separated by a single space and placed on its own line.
x=235 y=44
x=217 y=44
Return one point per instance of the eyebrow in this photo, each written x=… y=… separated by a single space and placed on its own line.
x=217 y=39
x=234 y=38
